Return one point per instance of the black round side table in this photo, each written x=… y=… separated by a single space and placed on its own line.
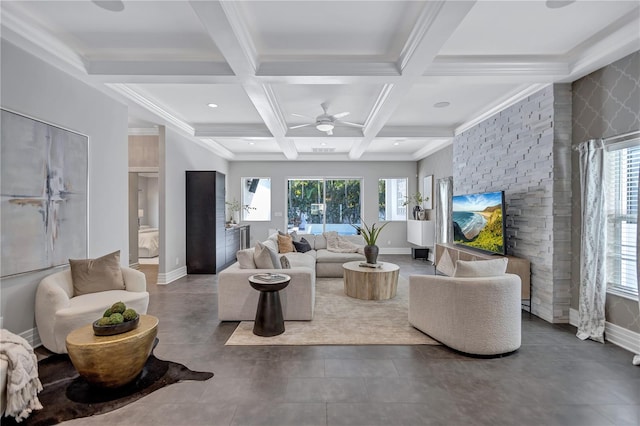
x=269 y=319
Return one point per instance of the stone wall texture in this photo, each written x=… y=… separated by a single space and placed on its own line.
x=524 y=151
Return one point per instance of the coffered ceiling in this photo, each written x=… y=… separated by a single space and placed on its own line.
x=411 y=74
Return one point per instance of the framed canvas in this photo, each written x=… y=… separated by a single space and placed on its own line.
x=428 y=192
x=43 y=204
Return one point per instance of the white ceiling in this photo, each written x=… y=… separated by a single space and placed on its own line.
x=386 y=62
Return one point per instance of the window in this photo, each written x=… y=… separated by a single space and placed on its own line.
x=256 y=196
x=319 y=205
x=392 y=194
x=622 y=161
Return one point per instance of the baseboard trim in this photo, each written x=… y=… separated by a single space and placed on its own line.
x=32 y=337
x=166 y=278
x=613 y=333
x=395 y=250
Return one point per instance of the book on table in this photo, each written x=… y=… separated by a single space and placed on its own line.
x=270 y=277
x=370 y=265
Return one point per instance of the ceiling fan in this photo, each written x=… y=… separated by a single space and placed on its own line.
x=325 y=122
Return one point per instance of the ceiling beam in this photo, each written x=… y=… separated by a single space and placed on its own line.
x=436 y=23
x=248 y=130
x=223 y=23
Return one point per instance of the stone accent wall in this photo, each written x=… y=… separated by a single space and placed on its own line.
x=525 y=151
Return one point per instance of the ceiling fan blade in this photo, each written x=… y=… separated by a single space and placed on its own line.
x=348 y=123
x=330 y=132
x=324 y=106
x=341 y=114
x=303 y=116
x=301 y=125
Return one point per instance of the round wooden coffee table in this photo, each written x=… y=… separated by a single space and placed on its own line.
x=367 y=283
x=112 y=361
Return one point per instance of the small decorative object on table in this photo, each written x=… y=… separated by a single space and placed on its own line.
x=115 y=320
x=370 y=265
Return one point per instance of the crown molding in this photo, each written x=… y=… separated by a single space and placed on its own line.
x=256 y=130
x=414 y=131
x=162 y=68
x=39 y=40
x=498 y=65
x=511 y=100
x=216 y=148
x=612 y=43
x=131 y=94
x=316 y=68
x=143 y=131
x=432 y=147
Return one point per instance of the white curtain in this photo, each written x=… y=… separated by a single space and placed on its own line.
x=444 y=191
x=593 y=285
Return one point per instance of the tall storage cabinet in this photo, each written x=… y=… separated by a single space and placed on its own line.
x=205 y=212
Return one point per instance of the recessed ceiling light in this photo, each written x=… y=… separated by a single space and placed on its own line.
x=557 y=4
x=252 y=143
x=323 y=143
x=212 y=105
x=442 y=104
x=111 y=5
x=396 y=143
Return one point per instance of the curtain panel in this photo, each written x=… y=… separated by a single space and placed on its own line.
x=444 y=192
x=593 y=285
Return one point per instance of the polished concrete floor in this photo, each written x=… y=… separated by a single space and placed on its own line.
x=554 y=379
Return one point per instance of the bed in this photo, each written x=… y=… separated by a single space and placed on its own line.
x=147 y=241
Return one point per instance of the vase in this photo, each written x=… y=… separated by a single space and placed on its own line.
x=416 y=209
x=371 y=254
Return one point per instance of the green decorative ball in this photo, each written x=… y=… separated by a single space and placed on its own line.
x=104 y=321
x=107 y=313
x=116 y=319
x=118 y=308
x=129 y=314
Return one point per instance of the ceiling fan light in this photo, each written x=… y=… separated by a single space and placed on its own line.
x=324 y=127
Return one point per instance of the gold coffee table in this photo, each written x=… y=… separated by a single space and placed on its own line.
x=112 y=361
x=367 y=283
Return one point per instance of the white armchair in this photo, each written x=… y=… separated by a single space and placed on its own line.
x=480 y=316
x=58 y=312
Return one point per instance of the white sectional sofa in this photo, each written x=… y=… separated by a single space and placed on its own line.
x=237 y=300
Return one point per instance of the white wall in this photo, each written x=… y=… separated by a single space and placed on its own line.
x=32 y=87
x=370 y=172
x=178 y=154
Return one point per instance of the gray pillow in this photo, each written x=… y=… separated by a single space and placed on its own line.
x=302 y=246
x=96 y=275
x=262 y=257
x=284 y=262
x=480 y=268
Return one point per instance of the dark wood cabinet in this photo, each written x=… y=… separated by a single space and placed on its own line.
x=205 y=214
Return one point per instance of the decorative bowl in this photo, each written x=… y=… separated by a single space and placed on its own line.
x=110 y=330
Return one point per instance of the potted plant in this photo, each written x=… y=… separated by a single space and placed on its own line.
x=370 y=235
x=416 y=199
x=235 y=207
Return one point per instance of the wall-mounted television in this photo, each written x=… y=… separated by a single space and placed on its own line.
x=479 y=221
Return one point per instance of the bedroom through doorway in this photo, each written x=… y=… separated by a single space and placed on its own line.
x=148 y=219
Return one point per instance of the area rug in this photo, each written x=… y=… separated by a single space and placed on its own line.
x=67 y=396
x=342 y=320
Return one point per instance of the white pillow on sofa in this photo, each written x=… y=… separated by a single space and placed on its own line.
x=245 y=259
x=265 y=258
x=480 y=268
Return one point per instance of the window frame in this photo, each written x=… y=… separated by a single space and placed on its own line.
x=610 y=149
x=406 y=210
x=244 y=213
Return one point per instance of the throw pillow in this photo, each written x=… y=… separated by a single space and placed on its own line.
x=480 y=268
x=96 y=275
x=294 y=236
x=303 y=246
x=285 y=244
x=262 y=257
x=245 y=259
x=284 y=262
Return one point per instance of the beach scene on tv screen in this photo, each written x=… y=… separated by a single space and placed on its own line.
x=477 y=221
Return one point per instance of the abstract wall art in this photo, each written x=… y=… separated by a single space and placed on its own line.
x=43 y=204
